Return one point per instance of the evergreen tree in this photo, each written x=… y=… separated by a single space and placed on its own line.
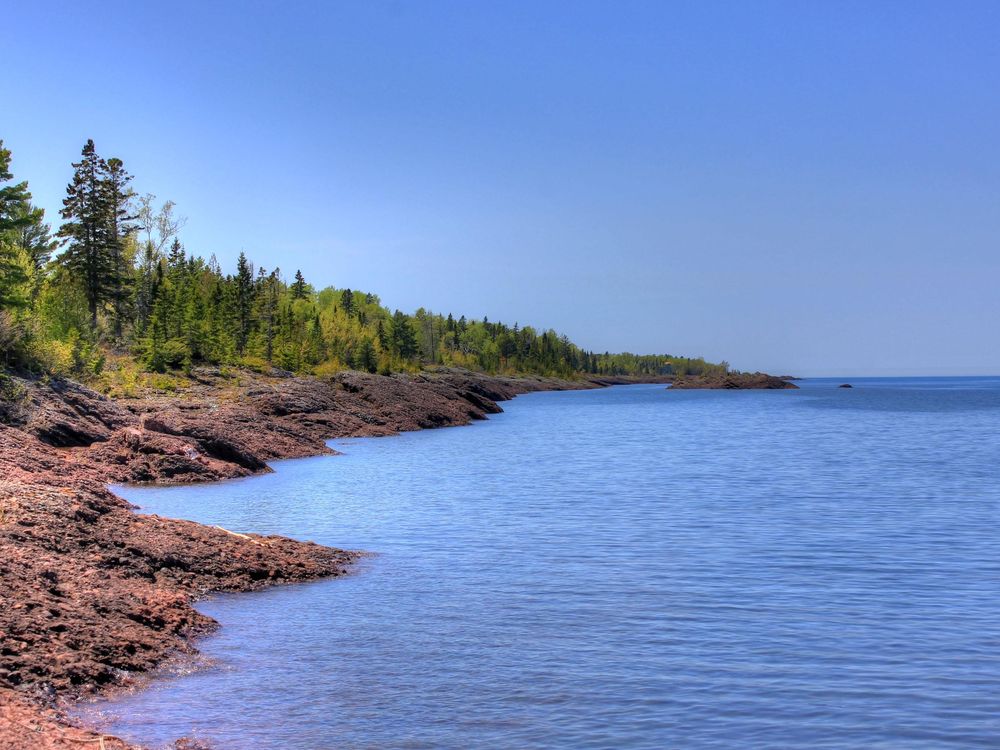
x=243 y=289
x=367 y=360
x=404 y=341
x=13 y=198
x=120 y=217
x=381 y=336
x=148 y=265
x=34 y=237
x=196 y=327
x=299 y=286
x=89 y=254
x=176 y=294
x=316 y=345
x=268 y=290
x=184 y=310
x=347 y=302
x=16 y=216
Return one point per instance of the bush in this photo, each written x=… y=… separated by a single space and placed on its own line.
x=166 y=383
x=11 y=335
x=57 y=359
x=328 y=368
x=172 y=354
x=256 y=364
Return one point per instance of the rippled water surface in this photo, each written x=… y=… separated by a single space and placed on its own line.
x=624 y=568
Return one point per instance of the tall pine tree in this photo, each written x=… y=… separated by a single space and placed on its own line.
x=243 y=293
x=120 y=217
x=299 y=286
x=16 y=216
x=89 y=254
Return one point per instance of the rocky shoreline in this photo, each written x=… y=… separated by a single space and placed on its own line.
x=734 y=381
x=93 y=595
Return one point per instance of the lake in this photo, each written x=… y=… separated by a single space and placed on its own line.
x=622 y=568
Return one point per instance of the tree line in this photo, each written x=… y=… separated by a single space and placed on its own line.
x=115 y=277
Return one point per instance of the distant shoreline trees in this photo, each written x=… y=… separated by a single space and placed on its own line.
x=124 y=283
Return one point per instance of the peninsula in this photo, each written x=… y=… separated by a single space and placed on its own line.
x=127 y=359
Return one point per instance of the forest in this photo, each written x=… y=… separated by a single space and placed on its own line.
x=115 y=281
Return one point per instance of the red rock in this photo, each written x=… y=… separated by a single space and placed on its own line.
x=92 y=594
x=732 y=381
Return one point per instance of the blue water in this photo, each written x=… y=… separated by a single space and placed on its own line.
x=623 y=568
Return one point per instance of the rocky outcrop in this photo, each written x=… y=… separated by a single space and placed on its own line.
x=63 y=414
x=92 y=594
x=27 y=723
x=733 y=381
x=222 y=427
x=96 y=592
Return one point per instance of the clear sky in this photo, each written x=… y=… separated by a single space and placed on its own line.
x=804 y=187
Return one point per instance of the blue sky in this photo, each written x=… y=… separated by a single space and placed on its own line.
x=804 y=187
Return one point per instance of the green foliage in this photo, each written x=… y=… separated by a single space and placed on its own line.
x=88 y=256
x=170 y=354
x=16 y=216
x=124 y=281
x=299 y=288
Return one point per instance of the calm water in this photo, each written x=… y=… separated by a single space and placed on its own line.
x=624 y=568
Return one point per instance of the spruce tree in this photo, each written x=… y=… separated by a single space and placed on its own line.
x=347 y=302
x=367 y=360
x=16 y=216
x=217 y=334
x=268 y=290
x=243 y=293
x=120 y=217
x=316 y=346
x=13 y=198
x=299 y=286
x=382 y=336
x=148 y=266
x=34 y=237
x=404 y=340
x=178 y=291
x=89 y=254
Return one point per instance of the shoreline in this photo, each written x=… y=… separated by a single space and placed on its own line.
x=102 y=596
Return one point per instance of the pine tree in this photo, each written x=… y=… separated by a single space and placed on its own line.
x=178 y=291
x=366 y=359
x=316 y=346
x=347 y=302
x=148 y=266
x=299 y=286
x=216 y=336
x=382 y=336
x=243 y=302
x=13 y=198
x=196 y=326
x=120 y=217
x=404 y=340
x=268 y=291
x=89 y=252
x=16 y=216
x=34 y=237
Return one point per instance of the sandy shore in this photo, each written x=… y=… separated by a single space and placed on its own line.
x=92 y=594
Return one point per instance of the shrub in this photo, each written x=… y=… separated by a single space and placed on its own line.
x=172 y=354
